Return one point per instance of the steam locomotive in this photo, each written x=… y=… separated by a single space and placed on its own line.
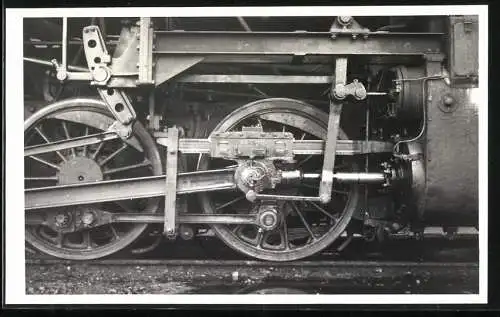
x=282 y=135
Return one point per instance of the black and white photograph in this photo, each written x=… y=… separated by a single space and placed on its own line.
x=315 y=155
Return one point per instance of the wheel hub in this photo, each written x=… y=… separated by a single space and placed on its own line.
x=88 y=218
x=79 y=170
x=62 y=220
x=268 y=218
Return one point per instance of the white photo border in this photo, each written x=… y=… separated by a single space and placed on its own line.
x=14 y=186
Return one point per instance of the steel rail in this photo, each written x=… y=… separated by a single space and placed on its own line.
x=250 y=263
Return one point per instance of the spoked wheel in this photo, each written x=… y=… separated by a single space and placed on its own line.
x=304 y=228
x=112 y=159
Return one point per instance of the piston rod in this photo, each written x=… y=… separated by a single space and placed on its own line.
x=349 y=178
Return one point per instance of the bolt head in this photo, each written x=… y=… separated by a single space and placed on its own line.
x=100 y=74
x=345 y=19
x=61 y=75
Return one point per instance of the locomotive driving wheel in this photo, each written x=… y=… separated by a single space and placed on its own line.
x=110 y=159
x=296 y=229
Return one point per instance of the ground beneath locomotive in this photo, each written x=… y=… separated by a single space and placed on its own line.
x=447 y=267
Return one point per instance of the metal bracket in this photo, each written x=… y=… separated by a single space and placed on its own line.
x=119 y=104
x=347 y=25
x=97 y=60
x=97 y=55
x=171 y=182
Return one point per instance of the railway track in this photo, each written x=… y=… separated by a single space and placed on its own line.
x=148 y=276
x=428 y=266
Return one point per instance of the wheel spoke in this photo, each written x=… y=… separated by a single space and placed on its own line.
x=114 y=232
x=87 y=240
x=36 y=158
x=263 y=240
x=229 y=203
x=145 y=163
x=41 y=178
x=326 y=213
x=301 y=216
x=284 y=236
x=59 y=239
x=99 y=147
x=259 y=237
x=48 y=141
x=237 y=231
x=66 y=132
x=112 y=155
x=85 y=147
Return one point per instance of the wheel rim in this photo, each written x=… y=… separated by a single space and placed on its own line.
x=113 y=159
x=302 y=231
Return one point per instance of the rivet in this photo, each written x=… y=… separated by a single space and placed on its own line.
x=448 y=100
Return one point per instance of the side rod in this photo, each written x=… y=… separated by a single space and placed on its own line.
x=142 y=187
